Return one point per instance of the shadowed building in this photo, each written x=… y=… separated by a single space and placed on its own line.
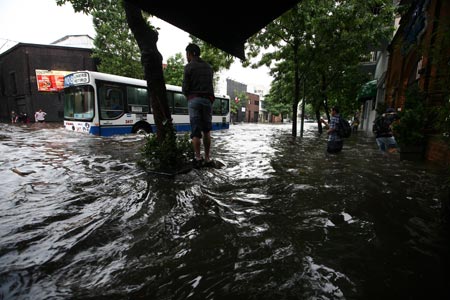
x=31 y=78
x=419 y=56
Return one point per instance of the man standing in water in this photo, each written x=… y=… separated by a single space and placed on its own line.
x=39 y=116
x=383 y=131
x=13 y=117
x=335 y=143
x=199 y=90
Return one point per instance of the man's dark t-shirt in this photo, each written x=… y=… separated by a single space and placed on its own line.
x=198 y=79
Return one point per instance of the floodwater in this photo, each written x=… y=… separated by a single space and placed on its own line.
x=281 y=220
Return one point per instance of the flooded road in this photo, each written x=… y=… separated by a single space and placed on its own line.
x=281 y=220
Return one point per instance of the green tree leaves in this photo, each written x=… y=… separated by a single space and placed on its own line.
x=114 y=44
x=173 y=72
x=322 y=44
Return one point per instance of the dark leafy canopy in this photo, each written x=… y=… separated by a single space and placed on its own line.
x=278 y=100
x=410 y=129
x=322 y=43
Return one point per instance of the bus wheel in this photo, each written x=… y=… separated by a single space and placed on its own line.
x=142 y=128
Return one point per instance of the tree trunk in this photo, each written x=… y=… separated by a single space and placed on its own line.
x=303 y=108
x=151 y=59
x=319 y=124
x=294 y=118
x=296 y=91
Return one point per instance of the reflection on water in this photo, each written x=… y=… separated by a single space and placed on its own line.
x=281 y=220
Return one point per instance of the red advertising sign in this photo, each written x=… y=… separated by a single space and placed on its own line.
x=50 y=80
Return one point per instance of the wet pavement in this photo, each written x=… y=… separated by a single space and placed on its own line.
x=281 y=220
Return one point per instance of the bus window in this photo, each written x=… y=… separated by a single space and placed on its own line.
x=79 y=103
x=217 y=107
x=180 y=106
x=137 y=100
x=111 y=102
x=170 y=100
x=225 y=106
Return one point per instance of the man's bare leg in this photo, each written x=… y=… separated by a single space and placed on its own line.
x=196 y=144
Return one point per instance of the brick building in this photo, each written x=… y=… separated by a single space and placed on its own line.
x=20 y=70
x=420 y=55
x=252 y=108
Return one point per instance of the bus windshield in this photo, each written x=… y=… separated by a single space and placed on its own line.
x=79 y=102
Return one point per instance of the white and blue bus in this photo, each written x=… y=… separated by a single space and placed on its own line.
x=105 y=104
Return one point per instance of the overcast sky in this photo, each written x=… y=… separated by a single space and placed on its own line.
x=43 y=22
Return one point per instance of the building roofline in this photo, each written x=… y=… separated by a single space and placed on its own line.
x=20 y=45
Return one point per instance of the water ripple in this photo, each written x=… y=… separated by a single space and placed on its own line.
x=281 y=220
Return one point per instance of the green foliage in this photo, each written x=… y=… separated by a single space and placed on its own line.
x=410 y=129
x=235 y=106
x=309 y=111
x=442 y=119
x=277 y=101
x=322 y=42
x=85 y=6
x=173 y=73
x=114 y=44
x=174 y=153
x=440 y=57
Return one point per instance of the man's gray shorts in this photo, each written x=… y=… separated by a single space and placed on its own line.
x=200 y=116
